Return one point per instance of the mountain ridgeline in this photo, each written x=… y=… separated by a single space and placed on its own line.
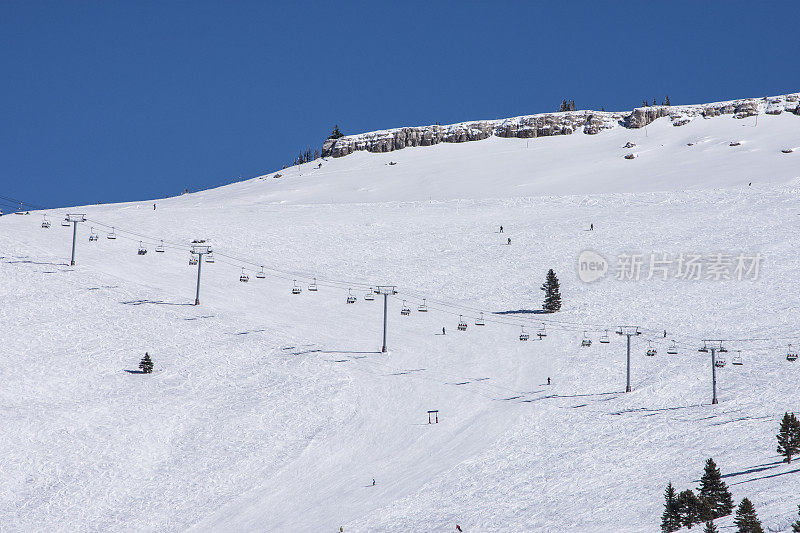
x=549 y=124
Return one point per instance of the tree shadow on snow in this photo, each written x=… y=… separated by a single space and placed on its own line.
x=767 y=477
x=753 y=470
x=522 y=312
x=135 y=371
x=154 y=302
x=38 y=262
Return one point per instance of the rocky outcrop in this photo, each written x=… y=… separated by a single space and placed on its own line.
x=549 y=124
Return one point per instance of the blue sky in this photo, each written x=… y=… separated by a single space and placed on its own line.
x=115 y=101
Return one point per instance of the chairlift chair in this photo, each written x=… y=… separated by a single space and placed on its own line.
x=542 y=333
x=651 y=352
x=142 y=249
x=209 y=257
x=296 y=289
x=370 y=295
x=737 y=359
x=45 y=222
x=111 y=235
x=405 y=310
x=790 y=355
x=673 y=349
x=423 y=307
x=479 y=321
x=65 y=222
x=704 y=349
x=524 y=336
x=93 y=237
x=192 y=260
x=604 y=338
x=244 y=278
x=312 y=287
x=462 y=326
x=160 y=247
x=350 y=298
x=722 y=349
x=719 y=362
x=260 y=274
x=586 y=342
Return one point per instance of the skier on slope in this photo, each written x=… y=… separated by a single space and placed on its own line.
x=591 y=227
x=501 y=229
x=443 y=330
x=509 y=241
x=373 y=482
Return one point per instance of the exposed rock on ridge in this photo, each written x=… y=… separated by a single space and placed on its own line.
x=549 y=124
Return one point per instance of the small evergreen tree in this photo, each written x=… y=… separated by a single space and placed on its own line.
x=796 y=525
x=710 y=527
x=715 y=492
x=670 y=519
x=746 y=520
x=666 y=100
x=789 y=437
x=146 y=364
x=552 y=293
x=335 y=134
x=688 y=508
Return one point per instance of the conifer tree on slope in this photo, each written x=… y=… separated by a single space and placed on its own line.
x=789 y=437
x=710 y=527
x=715 y=492
x=688 y=508
x=146 y=364
x=670 y=519
x=552 y=293
x=796 y=525
x=746 y=520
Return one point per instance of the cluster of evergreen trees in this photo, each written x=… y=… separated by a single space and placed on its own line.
x=567 y=105
x=306 y=156
x=687 y=508
x=665 y=102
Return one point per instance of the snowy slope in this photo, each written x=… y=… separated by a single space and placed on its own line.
x=272 y=411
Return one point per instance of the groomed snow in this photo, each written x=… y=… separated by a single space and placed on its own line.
x=269 y=411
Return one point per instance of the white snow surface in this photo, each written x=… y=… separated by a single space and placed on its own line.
x=269 y=411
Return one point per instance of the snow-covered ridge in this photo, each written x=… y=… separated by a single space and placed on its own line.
x=548 y=124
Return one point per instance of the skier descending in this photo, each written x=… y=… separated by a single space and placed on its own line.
x=509 y=241
x=443 y=330
x=501 y=229
x=591 y=227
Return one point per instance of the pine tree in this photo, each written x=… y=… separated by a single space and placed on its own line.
x=335 y=134
x=796 y=525
x=789 y=437
x=670 y=519
x=552 y=294
x=746 y=520
x=710 y=527
x=714 y=491
x=666 y=100
x=146 y=364
x=688 y=508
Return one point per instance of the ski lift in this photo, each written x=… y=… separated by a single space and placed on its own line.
x=704 y=349
x=405 y=311
x=209 y=257
x=160 y=247
x=92 y=235
x=479 y=321
x=65 y=222
x=312 y=287
x=719 y=362
x=142 y=249
x=295 y=288
x=350 y=298
x=673 y=349
x=260 y=274
x=790 y=355
x=542 y=333
x=651 y=352
x=369 y=296
x=722 y=349
x=604 y=338
x=524 y=336
x=111 y=235
x=192 y=260
x=462 y=326
x=737 y=359
x=423 y=307
x=586 y=342
x=45 y=222
x=244 y=278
